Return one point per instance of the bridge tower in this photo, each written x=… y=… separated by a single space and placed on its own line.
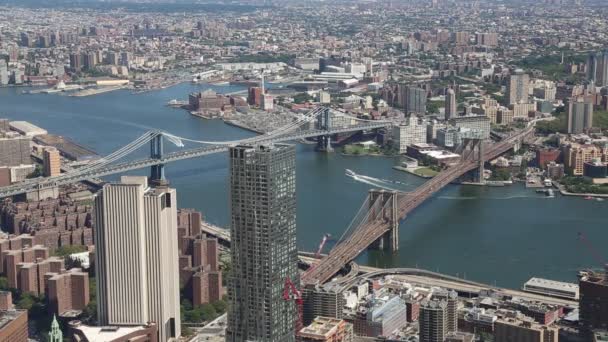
x=473 y=149
x=157 y=172
x=324 y=122
x=390 y=213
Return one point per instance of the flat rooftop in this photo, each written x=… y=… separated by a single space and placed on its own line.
x=7 y=316
x=108 y=333
x=552 y=284
x=321 y=327
x=26 y=128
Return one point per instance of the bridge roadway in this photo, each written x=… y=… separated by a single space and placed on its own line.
x=368 y=232
x=63 y=179
x=421 y=277
x=414 y=276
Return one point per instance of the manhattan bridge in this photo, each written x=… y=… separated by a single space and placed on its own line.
x=375 y=224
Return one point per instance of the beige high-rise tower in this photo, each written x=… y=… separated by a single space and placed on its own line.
x=137 y=257
x=518 y=87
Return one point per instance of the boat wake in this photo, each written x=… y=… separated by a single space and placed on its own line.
x=376 y=182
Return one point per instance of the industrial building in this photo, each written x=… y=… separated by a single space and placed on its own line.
x=263 y=243
x=552 y=288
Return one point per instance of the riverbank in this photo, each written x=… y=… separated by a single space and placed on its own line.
x=563 y=191
x=422 y=172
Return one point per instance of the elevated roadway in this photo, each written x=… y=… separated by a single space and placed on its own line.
x=67 y=178
x=371 y=230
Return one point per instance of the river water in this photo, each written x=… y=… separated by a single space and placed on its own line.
x=500 y=236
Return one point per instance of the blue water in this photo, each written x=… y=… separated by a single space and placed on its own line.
x=494 y=235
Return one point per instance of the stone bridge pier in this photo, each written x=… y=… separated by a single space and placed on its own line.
x=389 y=213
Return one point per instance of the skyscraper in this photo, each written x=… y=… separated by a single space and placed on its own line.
x=136 y=256
x=580 y=115
x=592 y=67
x=601 y=73
x=594 y=299
x=450 y=104
x=263 y=246
x=518 y=87
x=413 y=99
x=433 y=320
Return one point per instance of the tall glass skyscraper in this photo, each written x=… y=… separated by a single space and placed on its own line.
x=263 y=243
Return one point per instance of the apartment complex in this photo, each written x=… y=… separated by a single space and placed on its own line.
x=414 y=131
x=513 y=329
x=263 y=243
x=576 y=155
x=13 y=323
x=51 y=162
x=518 y=87
x=450 y=104
x=580 y=115
x=433 y=318
x=137 y=256
x=199 y=272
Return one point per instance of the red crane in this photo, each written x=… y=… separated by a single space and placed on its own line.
x=326 y=237
x=291 y=292
x=596 y=255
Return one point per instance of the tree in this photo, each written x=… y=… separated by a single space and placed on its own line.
x=26 y=301
x=220 y=306
x=4 y=284
x=71 y=249
x=208 y=312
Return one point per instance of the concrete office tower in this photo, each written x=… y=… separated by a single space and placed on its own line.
x=263 y=247
x=136 y=256
x=450 y=104
x=518 y=87
x=580 y=115
x=433 y=320
x=592 y=68
x=52 y=162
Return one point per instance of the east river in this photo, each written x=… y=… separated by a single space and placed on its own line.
x=499 y=236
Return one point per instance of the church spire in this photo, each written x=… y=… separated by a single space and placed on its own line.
x=55 y=335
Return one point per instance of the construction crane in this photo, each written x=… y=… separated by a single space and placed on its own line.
x=291 y=292
x=596 y=255
x=326 y=237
